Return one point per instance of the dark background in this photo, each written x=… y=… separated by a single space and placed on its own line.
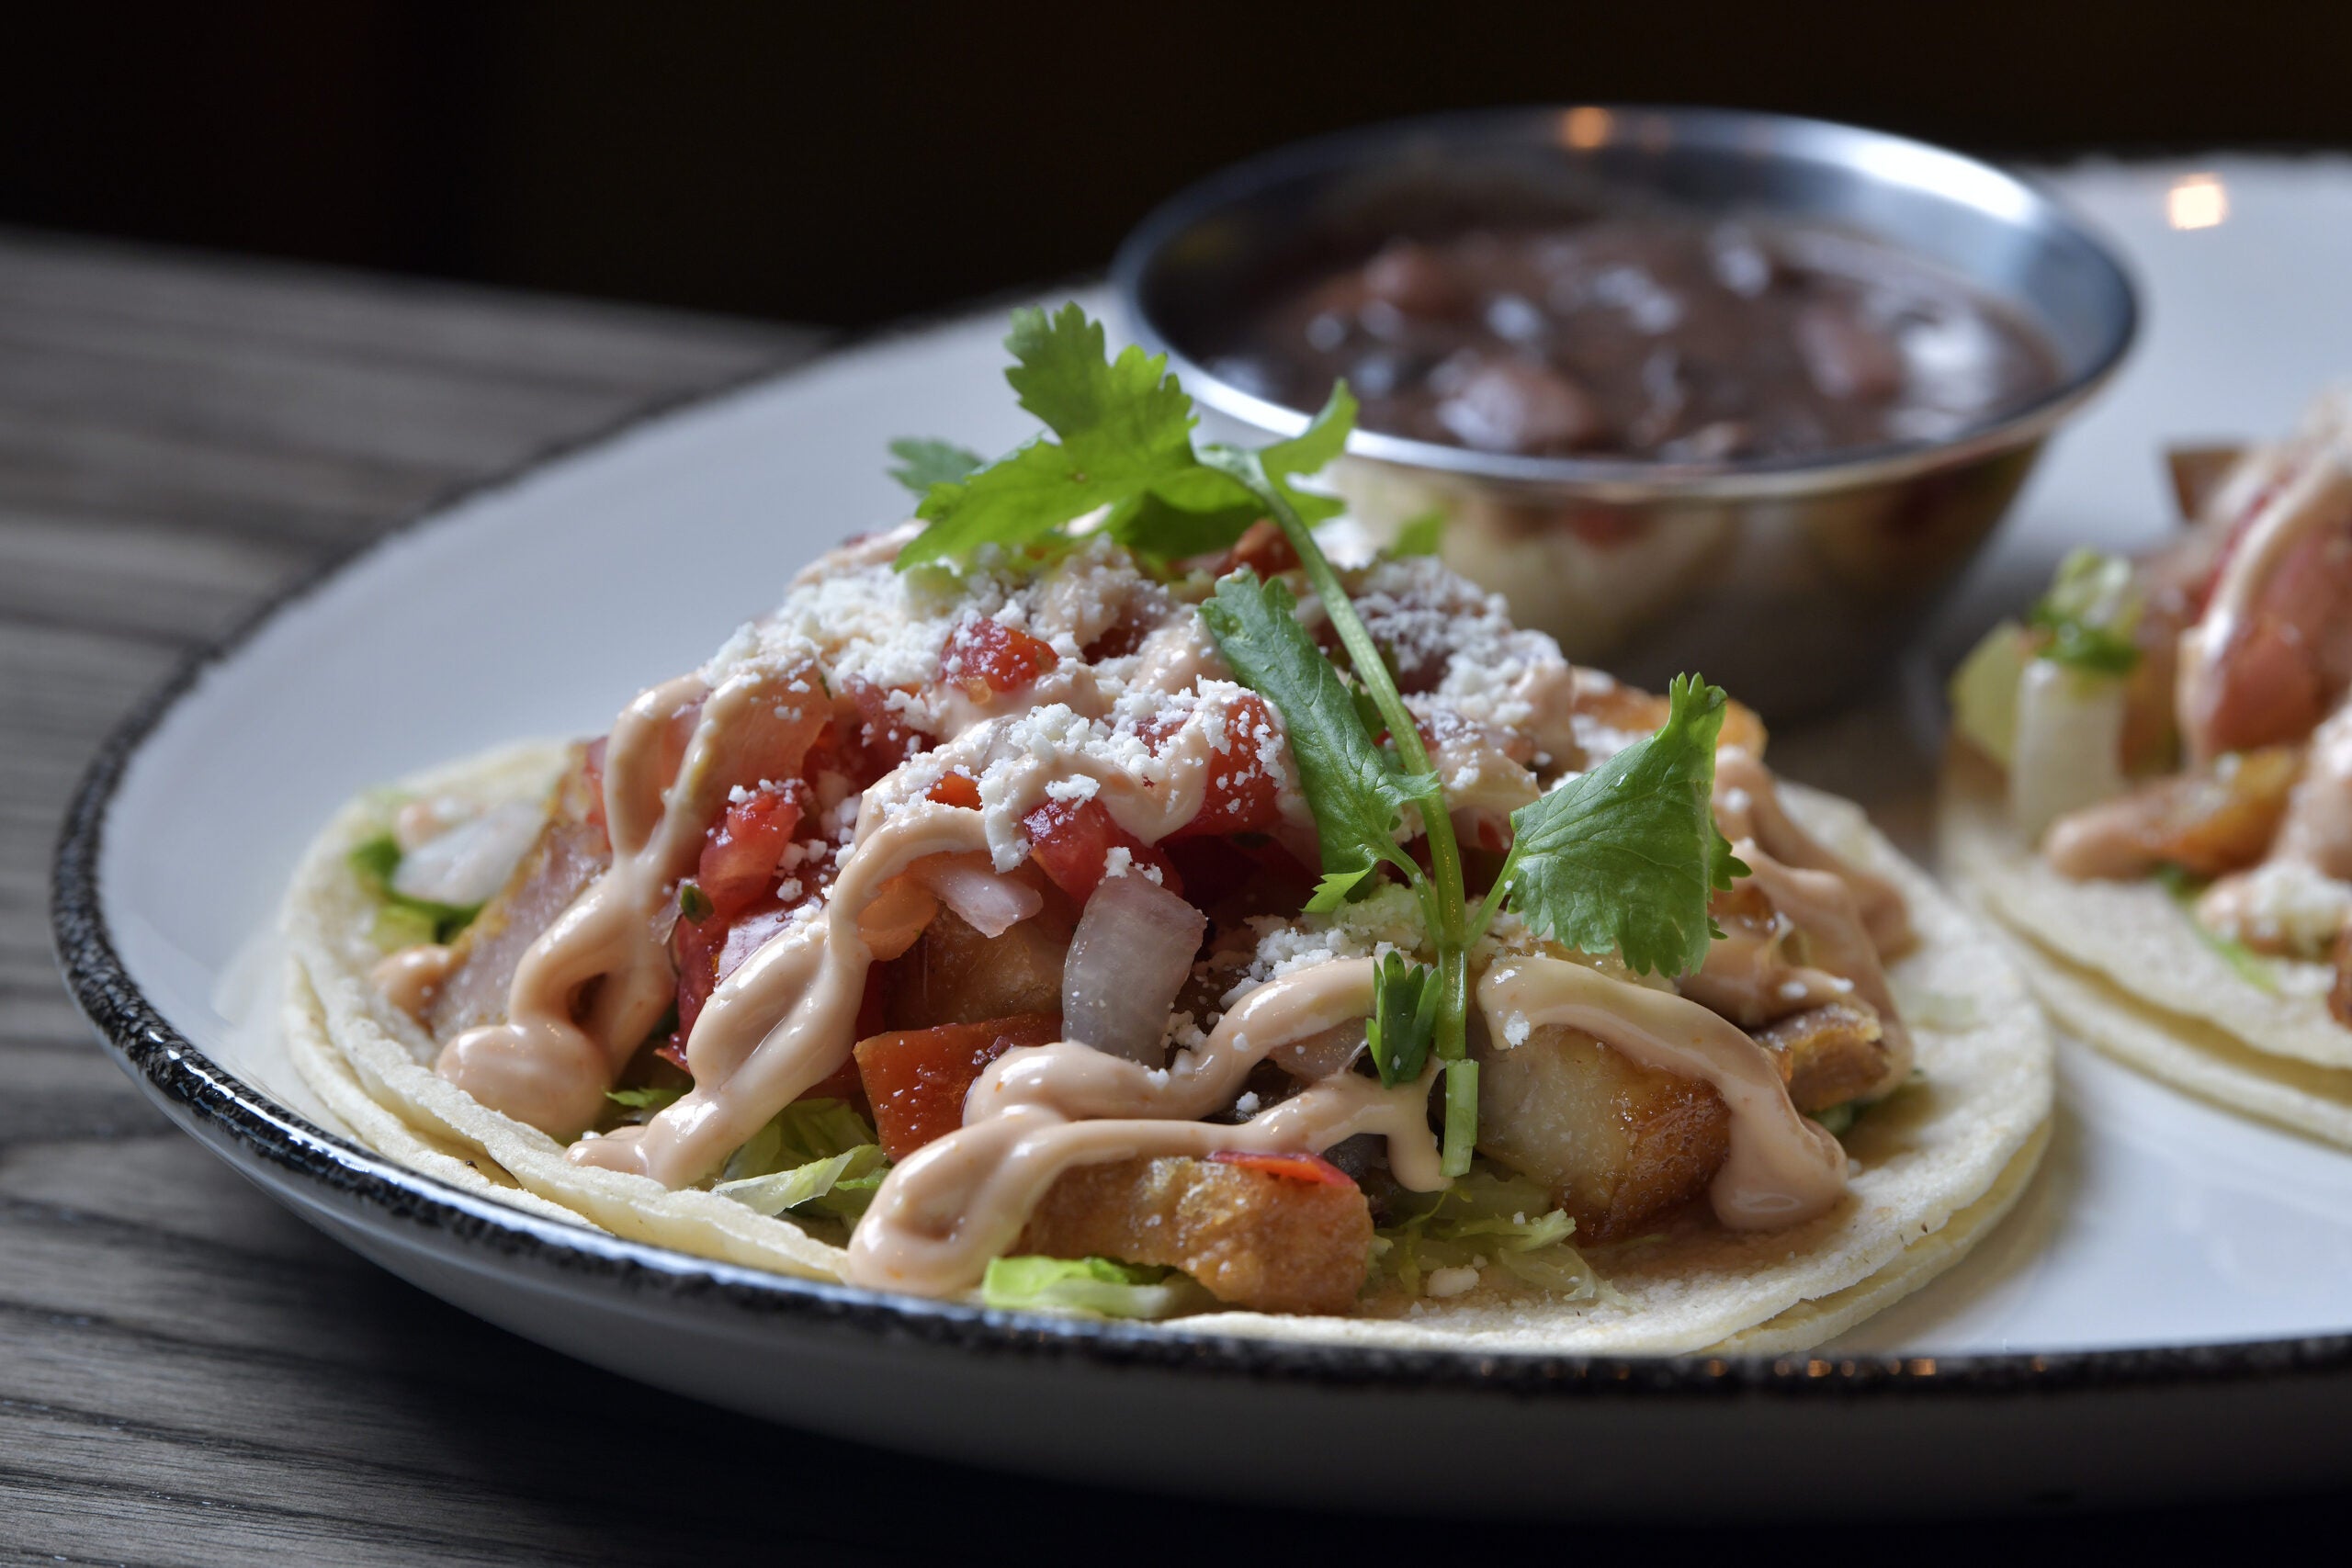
x=850 y=162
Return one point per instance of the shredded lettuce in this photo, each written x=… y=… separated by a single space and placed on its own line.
x=1095 y=1285
x=401 y=921
x=1487 y=1219
x=803 y=1132
x=814 y=1155
x=642 y=1105
x=839 y=1187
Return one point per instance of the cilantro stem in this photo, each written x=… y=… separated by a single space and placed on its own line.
x=1443 y=888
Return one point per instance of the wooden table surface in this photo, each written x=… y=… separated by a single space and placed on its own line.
x=188 y=1374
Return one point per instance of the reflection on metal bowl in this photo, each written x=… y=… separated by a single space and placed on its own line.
x=1793 y=578
x=1793 y=602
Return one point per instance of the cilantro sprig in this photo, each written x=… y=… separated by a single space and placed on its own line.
x=1623 y=859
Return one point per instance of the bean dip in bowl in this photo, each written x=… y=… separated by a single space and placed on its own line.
x=1691 y=387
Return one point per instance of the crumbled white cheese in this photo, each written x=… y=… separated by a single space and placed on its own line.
x=1445 y=1284
x=2281 y=906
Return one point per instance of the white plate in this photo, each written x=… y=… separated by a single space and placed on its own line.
x=2167 y=1311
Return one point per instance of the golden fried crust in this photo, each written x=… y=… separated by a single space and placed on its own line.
x=1828 y=1054
x=1256 y=1240
x=1618 y=1143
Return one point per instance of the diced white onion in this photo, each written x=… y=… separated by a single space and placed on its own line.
x=472 y=861
x=969 y=885
x=1132 y=954
x=2069 y=742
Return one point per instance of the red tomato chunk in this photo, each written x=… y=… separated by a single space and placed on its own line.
x=916 y=1079
x=1241 y=797
x=986 y=655
x=1070 y=838
x=740 y=857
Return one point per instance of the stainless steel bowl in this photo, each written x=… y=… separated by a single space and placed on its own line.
x=1793 y=581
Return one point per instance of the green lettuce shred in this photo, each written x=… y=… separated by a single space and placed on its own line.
x=1098 y=1286
x=1487 y=1219
x=802 y=1133
x=817 y=1157
x=401 y=921
x=839 y=1187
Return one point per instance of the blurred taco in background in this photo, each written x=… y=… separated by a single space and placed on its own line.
x=2151 y=782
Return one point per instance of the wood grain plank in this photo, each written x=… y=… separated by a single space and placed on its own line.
x=188 y=1374
x=480 y=333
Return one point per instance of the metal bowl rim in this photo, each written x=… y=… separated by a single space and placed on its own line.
x=1619 y=479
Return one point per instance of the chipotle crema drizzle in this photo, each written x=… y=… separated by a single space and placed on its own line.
x=592 y=986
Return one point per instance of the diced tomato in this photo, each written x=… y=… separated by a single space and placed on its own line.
x=1121 y=638
x=1263 y=547
x=1291 y=1167
x=694 y=947
x=916 y=1079
x=956 y=789
x=1070 y=838
x=1241 y=795
x=883 y=738
x=986 y=655
x=739 y=858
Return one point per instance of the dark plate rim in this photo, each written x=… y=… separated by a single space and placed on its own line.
x=249 y=1129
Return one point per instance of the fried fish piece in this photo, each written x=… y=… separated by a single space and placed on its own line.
x=1828 y=1054
x=1617 y=1143
x=1259 y=1240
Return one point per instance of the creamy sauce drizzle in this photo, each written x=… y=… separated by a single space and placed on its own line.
x=1747 y=806
x=542 y=1065
x=411 y=977
x=1783 y=1169
x=1039 y=1111
x=785 y=1020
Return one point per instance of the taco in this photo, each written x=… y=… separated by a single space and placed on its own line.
x=2150 y=784
x=1087 y=897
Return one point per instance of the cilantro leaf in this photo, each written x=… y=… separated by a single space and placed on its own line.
x=924 y=463
x=1349 y=784
x=1626 y=857
x=1123 y=423
x=1334 y=888
x=1311 y=451
x=1403 y=1025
